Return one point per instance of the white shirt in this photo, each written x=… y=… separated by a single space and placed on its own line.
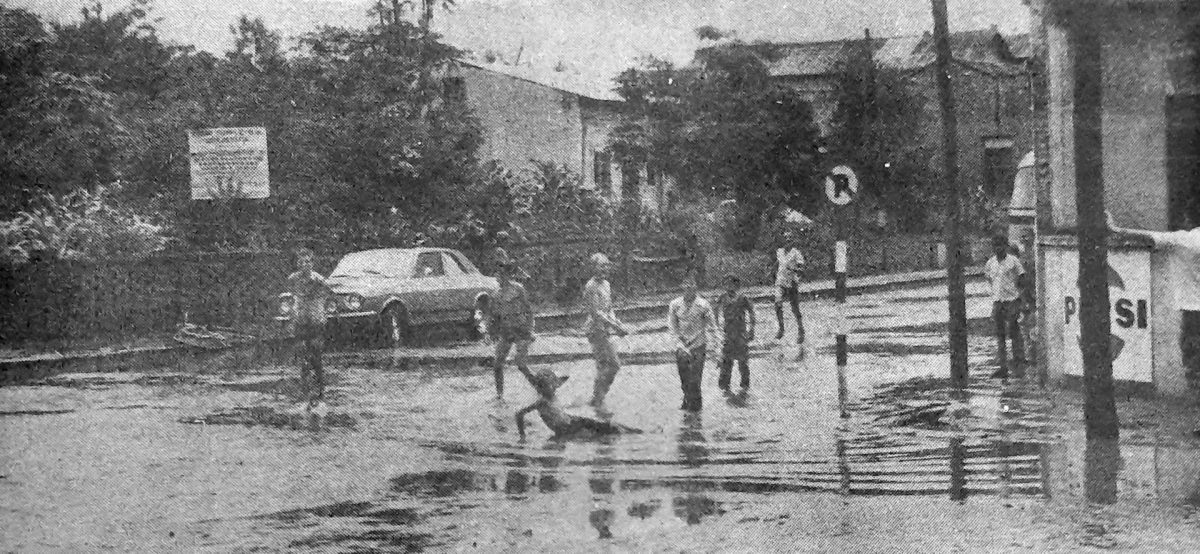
x=789 y=261
x=1183 y=259
x=690 y=323
x=1003 y=275
x=597 y=294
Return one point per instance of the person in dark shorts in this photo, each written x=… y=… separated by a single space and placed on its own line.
x=562 y=424
x=309 y=292
x=788 y=260
x=736 y=314
x=511 y=323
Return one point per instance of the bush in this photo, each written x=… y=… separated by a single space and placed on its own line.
x=81 y=225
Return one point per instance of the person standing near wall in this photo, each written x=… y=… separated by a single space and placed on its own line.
x=602 y=322
x=1183 y=251
x=690 y=319
x=1004 y=272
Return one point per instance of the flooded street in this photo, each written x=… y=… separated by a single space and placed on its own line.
x=423 y=457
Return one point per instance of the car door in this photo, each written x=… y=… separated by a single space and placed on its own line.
x=462 y=287
x=428 y=298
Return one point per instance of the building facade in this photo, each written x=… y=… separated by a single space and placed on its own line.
x=1150 y=158
x=990 y=76
x=529 y=115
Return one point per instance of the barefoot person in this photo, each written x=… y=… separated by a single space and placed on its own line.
x=601 y=324
x=690 y=319
x=1183 y=250
x=736 y=313
x=1004 y=273
x=561 y=423
x=309 y=293
x=788 y=260
x=511 y=322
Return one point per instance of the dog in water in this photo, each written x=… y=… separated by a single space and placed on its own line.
x=561 y=423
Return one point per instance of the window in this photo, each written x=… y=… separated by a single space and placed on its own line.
x=1183 y=161
x=631 y=181
x=454 y=89
x=452 y=265
x=429 y=264
x=999 y=167
x=602 y=172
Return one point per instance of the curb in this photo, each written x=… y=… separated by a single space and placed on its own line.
x=16 y=370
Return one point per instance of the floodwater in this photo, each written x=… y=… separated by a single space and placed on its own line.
x=415 y=458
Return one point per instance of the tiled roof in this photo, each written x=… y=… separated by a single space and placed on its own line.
x=565 y=81
x=986 y=48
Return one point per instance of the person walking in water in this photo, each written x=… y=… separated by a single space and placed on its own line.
x=736 y=313
x=309 y=293
x=511 y=321
x=788 y=260
x=690 y=319
x=602 y=322
x=1004 y=273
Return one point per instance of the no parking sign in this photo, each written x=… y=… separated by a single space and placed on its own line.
x=841 y=185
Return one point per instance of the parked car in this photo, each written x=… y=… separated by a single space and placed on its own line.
x=397 y=289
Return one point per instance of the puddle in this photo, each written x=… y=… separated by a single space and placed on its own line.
x=270 y=417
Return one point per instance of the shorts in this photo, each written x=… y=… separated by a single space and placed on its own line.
x=515 y=333
x=791 y=293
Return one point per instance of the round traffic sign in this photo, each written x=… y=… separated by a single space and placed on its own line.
x=841 y=185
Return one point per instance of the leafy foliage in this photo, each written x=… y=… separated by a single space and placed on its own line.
x=723 y=127
x=877 y=110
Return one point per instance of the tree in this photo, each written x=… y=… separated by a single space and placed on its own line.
x=722 y=126
x=873 y=124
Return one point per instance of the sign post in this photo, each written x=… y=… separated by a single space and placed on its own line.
x=229 y=162
x=841 y=187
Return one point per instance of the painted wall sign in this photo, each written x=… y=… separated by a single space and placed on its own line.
x=1129 y=298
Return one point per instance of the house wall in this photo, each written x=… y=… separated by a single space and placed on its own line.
x=524 y=121
x=1136 y=81
x=821 y=94
x=986 y=105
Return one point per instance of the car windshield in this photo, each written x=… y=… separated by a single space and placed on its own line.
x=388 y=263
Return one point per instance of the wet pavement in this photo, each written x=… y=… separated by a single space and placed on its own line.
x=419 y=455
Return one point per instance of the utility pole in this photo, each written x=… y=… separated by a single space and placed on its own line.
x=954 y=273
x=1099 y=408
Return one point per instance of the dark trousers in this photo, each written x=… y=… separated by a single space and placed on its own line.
x=691 y=370
x=734 y=350
x=1006 y=316
x=1189 y=344
x=311 y=338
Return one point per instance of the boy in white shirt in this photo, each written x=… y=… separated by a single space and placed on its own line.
x=690 y=319
x=788 y=261
x=1004 y=273
x=1183 y=250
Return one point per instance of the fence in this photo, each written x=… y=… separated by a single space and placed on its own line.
x=55 y=300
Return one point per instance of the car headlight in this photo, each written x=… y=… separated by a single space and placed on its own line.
x=287 y=305
x=352 y=302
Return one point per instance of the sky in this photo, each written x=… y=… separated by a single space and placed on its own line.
x=594 y=37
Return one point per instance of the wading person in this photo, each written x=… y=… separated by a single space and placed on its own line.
x=561 y=423
x=788 y=261
x=690 y=319
x=602 y=322
x=511 y=322
x=1183 y=257
x=309 y=293
x=1004 y=273
x=737 y=317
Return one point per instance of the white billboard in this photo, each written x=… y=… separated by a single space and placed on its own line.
x=229 y=162
x=1129 y=298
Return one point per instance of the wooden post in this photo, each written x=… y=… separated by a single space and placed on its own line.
x=1100 y=410
x=955 y=282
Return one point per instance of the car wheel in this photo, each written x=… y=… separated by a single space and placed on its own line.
x=394 y=326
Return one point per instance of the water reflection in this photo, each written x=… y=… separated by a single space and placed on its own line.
x=693 y=505
x=958 y=470
x=600 y=482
